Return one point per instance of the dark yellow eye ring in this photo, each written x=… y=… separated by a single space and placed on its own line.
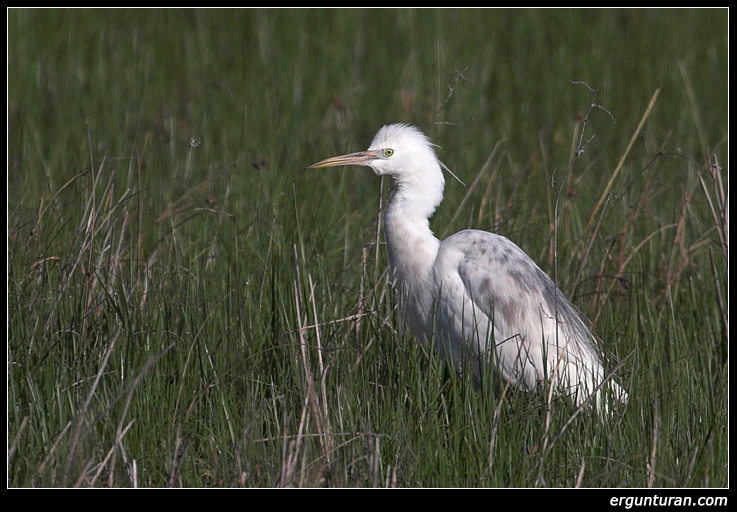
x=388 y=152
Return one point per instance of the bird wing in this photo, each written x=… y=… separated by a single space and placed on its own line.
x=495 y=304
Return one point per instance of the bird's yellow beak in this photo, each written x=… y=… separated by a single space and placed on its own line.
x=363 y=158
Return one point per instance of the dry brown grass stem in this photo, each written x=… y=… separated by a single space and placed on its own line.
x=622 y=159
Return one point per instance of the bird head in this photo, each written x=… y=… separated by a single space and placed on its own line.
x=401 y=151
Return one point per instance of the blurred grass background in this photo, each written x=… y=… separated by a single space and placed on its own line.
x=188 y=307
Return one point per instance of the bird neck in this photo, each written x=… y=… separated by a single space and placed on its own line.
x=411 y=245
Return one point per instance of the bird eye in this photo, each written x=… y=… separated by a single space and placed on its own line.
x=388 y=152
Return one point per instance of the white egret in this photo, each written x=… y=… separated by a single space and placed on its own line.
x=476 y=295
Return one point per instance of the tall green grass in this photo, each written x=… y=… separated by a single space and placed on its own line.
x=188 y=307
